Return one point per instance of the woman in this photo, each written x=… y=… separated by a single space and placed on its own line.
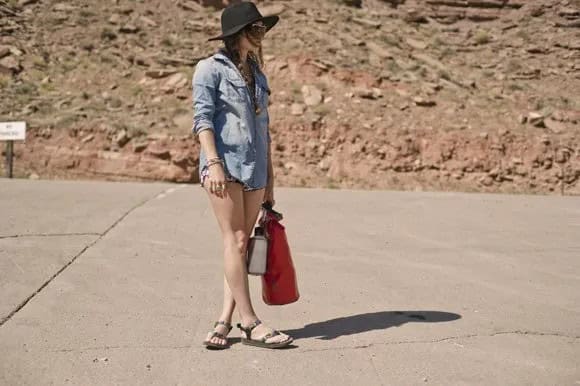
x=230 y=100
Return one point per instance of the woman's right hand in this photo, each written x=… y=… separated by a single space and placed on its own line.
x=217 y=180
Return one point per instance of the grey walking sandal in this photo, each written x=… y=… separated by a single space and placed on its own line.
x=216 y=346
x=262 y=341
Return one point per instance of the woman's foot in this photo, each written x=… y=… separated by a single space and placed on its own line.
x=217 y=338
x=256 y=334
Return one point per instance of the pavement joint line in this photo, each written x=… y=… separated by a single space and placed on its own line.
x=23 y=303
x=50 y=235
x=449 y=338
x=357 y=347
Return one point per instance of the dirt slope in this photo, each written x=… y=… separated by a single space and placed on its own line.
x=472 y=95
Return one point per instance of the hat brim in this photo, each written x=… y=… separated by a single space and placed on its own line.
x=269 y=21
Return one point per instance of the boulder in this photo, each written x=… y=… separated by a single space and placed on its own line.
x=10 y=66
x=312 y=95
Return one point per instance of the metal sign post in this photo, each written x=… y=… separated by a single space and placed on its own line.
x=9 y=155
x=11 y=131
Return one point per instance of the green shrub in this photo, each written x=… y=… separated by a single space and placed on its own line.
x=137 y=90
x=25 y=88
x=482 y=37
x=4 y=81
x=108 y=34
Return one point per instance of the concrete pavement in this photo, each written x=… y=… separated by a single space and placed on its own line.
x=118 y=283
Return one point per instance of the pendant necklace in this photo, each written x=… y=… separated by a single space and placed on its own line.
x=251 y=85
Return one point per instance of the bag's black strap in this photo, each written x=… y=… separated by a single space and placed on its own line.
x=268 y=207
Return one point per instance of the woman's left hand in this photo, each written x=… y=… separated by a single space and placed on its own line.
x=269 y=193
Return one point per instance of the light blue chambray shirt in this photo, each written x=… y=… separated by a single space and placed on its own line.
x=222 y=103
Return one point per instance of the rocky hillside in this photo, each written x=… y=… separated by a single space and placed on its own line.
x=472 y=95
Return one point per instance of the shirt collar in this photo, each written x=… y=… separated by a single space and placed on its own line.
x=222 y=56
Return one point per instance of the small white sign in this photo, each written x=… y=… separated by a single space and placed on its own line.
x=12 y=131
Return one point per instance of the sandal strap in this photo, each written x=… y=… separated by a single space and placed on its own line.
x=225 y=324
x=270 y=335
x=216 y=334
x=248 y=329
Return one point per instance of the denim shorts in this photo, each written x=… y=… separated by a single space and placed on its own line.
x=205 y=173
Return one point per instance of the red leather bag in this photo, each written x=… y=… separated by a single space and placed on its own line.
x=279 y=285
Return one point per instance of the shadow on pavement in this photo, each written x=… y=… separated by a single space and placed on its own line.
x=355 y=324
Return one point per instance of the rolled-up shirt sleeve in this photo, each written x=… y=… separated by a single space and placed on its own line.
x=204 y=93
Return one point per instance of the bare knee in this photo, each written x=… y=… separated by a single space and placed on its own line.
x=237 y=240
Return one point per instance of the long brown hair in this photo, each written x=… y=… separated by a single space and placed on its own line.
x=232 y=49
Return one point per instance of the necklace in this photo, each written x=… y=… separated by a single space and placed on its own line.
x=249 y=78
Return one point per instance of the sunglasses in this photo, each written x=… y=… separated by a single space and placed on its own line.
x=257 y=29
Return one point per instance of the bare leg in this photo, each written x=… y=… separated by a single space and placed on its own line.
x=252 y=203
x=251 y=214
x=226 y=315
x=236 y=213
x=231 y=218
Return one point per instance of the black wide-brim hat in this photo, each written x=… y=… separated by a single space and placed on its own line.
x=237 y=16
